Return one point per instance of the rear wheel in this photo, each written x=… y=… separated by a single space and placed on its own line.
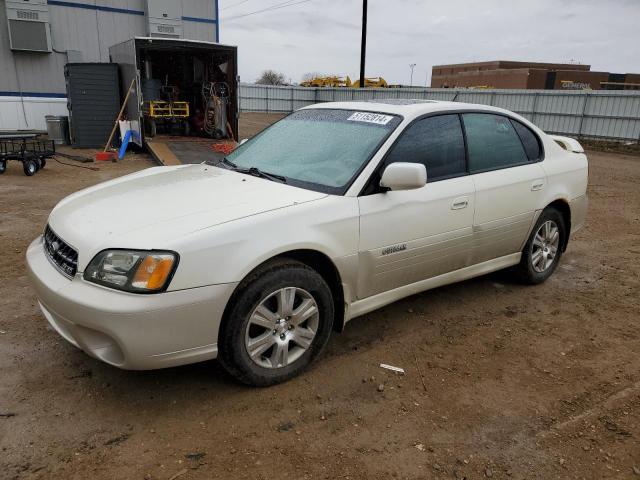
x=3 y=166
x=30 y=167
x=277 y=324
x=43 y=162
x=543 y=250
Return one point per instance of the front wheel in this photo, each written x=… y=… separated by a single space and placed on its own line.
x=3 y=166
x=543 y=250
x=277 y=324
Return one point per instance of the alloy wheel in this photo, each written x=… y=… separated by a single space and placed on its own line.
x=282 y=327
x=545 y=246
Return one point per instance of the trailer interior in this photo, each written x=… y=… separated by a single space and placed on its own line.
x=187 y=95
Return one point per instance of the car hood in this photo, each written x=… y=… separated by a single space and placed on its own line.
x=155 y=206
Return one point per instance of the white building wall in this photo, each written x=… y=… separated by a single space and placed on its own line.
x=32 y=84
x=27 y=113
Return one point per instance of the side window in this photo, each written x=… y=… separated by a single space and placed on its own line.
x=492 y=142
x=529 y=140
x=437 y=142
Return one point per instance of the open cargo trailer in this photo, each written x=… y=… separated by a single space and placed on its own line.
x=171 y=73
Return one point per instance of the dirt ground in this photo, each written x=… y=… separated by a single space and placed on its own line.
x=502 y=381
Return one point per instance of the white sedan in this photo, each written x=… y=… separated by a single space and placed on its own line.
x=334 y=211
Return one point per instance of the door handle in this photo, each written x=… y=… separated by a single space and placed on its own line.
x=537 y=185
x=460 y=202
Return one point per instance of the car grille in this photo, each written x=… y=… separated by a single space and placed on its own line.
x=63 y=256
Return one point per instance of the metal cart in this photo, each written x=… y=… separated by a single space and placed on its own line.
x=31 y=152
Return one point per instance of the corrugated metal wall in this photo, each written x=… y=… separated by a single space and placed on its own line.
x=89 y=27
x=598 y=114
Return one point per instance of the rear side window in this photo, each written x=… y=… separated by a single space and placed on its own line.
x=437 y=143
x=492 y=142
x=529 y=140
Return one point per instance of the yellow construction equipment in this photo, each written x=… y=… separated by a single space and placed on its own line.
x=345 y=82
x=371 y=82
x=331 y=81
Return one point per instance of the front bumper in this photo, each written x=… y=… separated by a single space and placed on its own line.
x=131 y=331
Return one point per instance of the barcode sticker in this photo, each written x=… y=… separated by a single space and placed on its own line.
x=368 y=117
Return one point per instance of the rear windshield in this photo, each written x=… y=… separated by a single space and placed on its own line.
x=321 y=149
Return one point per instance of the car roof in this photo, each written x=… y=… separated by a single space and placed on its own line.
x=408 y=108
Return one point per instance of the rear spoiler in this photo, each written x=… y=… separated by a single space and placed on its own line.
x=570 y=144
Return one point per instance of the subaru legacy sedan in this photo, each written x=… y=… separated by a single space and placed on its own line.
x=330 y=213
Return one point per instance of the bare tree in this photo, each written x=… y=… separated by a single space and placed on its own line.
x=271 y=77
x=307 y=77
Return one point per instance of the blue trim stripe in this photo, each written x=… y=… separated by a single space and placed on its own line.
x=33 y=94
x=102 y=8
x=201 y=20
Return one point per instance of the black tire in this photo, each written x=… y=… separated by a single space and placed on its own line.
x=38 y=163
x=30 y=167
x=233 y=351
x=43 y=162
x=3 y=166
x=533 y=268
x=186 y=129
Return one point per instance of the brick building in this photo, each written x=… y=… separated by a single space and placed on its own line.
x=530 y=75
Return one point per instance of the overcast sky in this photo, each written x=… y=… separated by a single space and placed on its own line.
x=324 y=35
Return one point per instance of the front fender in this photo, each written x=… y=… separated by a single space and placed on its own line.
x=227 y=253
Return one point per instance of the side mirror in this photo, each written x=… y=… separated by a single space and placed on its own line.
x=404 y=176
x=243 y=141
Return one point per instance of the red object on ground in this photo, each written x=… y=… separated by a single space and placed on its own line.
x=225 y=148
x=105 y=156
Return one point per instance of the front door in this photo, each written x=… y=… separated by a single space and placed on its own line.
x=408 y=236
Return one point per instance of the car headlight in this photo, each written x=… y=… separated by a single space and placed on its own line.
x=135 y=271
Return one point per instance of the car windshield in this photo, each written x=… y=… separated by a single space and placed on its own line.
x=318 y=149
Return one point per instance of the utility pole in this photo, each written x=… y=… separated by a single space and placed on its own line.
x=412 y=66
x=363 y=45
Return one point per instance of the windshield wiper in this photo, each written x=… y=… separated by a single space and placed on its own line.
x=255 y=171
x=228 y=163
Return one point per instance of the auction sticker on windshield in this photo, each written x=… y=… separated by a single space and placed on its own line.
x=370 y=118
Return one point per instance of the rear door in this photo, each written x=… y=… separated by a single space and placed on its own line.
x=408 y=236
x=509 y=184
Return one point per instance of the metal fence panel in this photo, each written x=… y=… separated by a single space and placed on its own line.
x=515 y=102
x=558 y=103
x=600 y=114
x=558 y=123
